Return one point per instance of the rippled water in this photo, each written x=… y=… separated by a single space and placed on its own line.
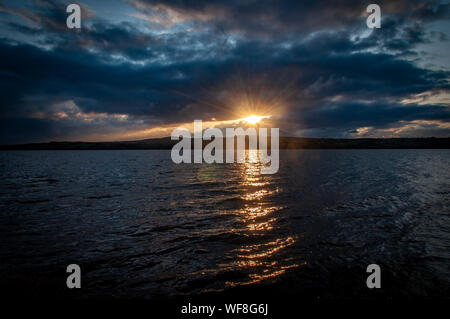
x=139 y=225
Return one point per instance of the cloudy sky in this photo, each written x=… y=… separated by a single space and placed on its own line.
x=139 y=68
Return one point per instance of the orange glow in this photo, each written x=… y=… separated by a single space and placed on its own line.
x=253 y=119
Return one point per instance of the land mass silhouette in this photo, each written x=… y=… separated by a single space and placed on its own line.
x=285 y=143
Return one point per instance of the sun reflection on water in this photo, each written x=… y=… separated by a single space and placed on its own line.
x=260 y=260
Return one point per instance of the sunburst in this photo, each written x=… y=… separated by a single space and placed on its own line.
x=253 y=119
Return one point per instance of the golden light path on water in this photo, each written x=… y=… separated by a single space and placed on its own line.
x=260 y=215
x=262 y=255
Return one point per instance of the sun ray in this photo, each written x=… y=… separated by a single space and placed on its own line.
x=253 y=119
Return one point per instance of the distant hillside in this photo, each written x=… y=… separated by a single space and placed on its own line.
x=285 y=143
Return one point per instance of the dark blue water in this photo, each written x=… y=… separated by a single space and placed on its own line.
x=139 y=225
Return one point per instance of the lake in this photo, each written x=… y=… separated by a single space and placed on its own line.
x=141 y=226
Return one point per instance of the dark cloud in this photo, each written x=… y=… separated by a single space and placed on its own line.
x=369 y=114
x=313 y=62
x=270 y=17
x=48 y=15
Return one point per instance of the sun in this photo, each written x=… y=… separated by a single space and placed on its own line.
x=253 y=119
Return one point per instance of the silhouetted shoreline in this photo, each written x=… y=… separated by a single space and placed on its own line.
x=285 y=143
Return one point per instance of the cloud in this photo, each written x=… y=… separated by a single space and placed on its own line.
x=273 y=17
x=46 y=15
x=406 y=129
x=313 y=66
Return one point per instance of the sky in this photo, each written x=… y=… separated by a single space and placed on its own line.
x=140 y=68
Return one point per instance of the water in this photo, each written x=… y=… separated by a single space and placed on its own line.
x=141 y=226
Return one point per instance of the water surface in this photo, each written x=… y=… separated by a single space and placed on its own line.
x=139 y=225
